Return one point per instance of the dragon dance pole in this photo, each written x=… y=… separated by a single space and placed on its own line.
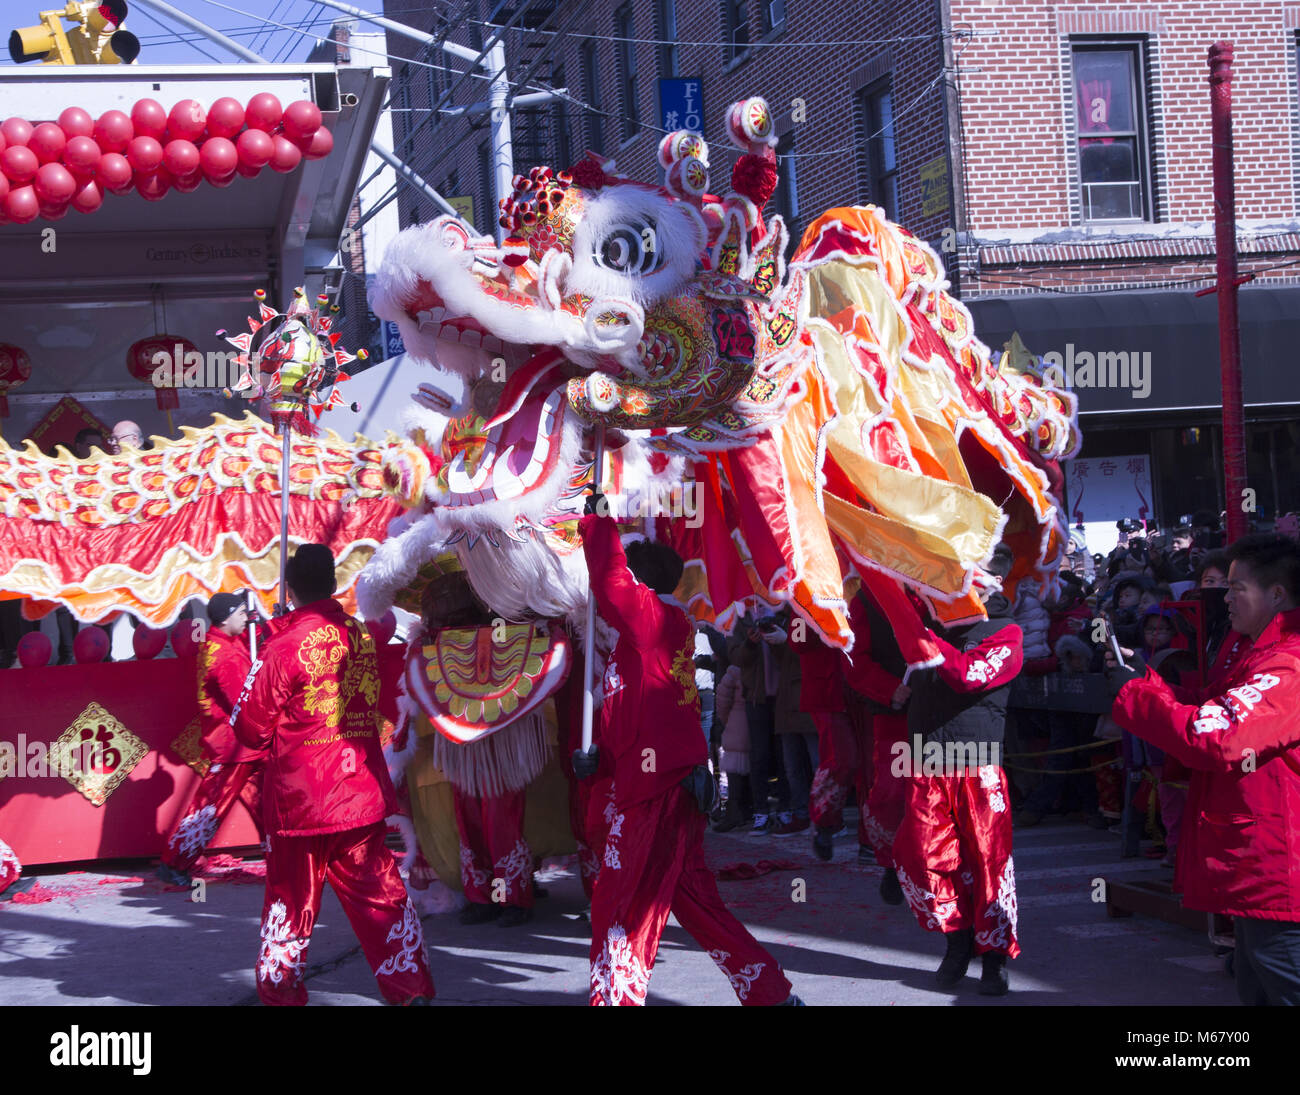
x=589 y=647
x=284 y=515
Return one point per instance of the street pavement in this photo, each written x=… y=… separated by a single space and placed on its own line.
x=118 y=936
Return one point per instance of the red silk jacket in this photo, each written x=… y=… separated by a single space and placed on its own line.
x=312 y=700
x=223 y=663
x=1239 y=853
x=650 y=698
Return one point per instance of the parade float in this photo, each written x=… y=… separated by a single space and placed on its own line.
x=834 y=420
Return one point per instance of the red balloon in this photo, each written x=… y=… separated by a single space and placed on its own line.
x=383 y=629
x=181 y=158
x=263 y=112
x=21 y=204
x=187 y=184
x=153 y=187
x=187 y=121
x=144 y=155
x=218 y=156
x=90 y=645
x=225 y=118
x=35 y=650
x=222 y=181
x=54 y=184
x=248 y=172
x=82 y=155
x=322 y=144
x=113 y=131
x=2 y=141
x=183 y=641
x=20 y=163
x=4 y=188
x=115 y=173
x=148 y=642
x=88 y=198
x=16 y=131
x=75 y=122
x=149 y=119
x=48 y=142
x=286 y=156
x=301 y=119
x=255 y=148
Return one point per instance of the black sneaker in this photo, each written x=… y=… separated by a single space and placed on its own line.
x=172 y=876
x=474 y=913
x=891 y=893
x=792 y=1001
x=866 y=857
x=514 y=916
x=823 y=844
x=994 y=980
x=957 y=960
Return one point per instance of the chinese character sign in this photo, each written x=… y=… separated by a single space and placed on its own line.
x=681 y=105
x=1104 y=490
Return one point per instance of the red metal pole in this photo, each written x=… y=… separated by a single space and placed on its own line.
x=1225 y=247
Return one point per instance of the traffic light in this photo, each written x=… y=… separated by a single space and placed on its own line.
x=95 y=40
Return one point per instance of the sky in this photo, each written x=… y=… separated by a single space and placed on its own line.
x=164 y=42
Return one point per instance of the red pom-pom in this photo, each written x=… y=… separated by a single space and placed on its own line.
x=754 y=176
x=589 y=175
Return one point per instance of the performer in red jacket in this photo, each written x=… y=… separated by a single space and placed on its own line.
x=1241 y=739
x=311 y=702
x=649 y=739
x=875 y=671
x=953 y=848
x=235 y=771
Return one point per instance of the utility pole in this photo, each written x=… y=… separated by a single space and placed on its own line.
x=493 y=61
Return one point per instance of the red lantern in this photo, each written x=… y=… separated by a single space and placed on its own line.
x=15 y=369
x=161 y=360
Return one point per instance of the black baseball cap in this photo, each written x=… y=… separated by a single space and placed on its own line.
x=225 y=605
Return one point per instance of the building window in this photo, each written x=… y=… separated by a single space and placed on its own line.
x=735 y=27
x=880 y=151
x=625 y=52
x=593 y=129
x=786 y=198
x=773 y=16
x=1114 y=181
x=666 y=32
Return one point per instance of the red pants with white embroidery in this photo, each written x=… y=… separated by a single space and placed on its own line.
x=842 y=749
x=953 y=853
x=885 y=801
x=495 y=863
x=219 y=790
x=365 y=879
x=653 y=864
x=10 y=868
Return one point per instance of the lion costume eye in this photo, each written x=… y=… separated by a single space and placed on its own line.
x=631 y=248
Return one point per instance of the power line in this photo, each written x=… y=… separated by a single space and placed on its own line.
x=171 y=35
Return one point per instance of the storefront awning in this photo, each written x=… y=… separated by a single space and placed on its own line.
x=1143 y=352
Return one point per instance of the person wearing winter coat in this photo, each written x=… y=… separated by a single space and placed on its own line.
x=729 y=713
x=1240 y=737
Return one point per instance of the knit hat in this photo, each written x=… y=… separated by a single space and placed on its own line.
x=223 y=606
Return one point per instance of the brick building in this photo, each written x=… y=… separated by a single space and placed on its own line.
x=1056 y=154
